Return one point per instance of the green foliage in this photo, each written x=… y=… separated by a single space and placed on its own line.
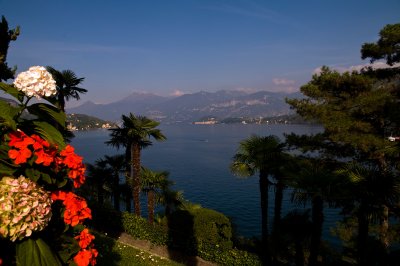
x=35 y=252
x=387 y=47
x=114 y=253
x=139 y=228
x=231 y=257
x=200 y=230
x=6 y=36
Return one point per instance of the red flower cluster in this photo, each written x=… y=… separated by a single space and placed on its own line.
x=20 y=142
x=85 y=255
x=24 y=146
x=75 y=165
x=76 y=209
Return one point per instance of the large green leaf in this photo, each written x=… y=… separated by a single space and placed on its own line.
x=48 y=112
x=49 y=133
x=35 y=252
x=7 y=115
x=12 y=91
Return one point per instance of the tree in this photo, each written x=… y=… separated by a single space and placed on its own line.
x=99 y=179
x=67 y=86
x=387 y=47
x=134 y=135
x=358 y=110
x=315 y=182
x=368 y=194
x=6 y=36
x=262 y=155
x=116 y=164
x=153 y=184
x=298 y=227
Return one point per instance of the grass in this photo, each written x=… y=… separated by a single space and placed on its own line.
x=113 y=253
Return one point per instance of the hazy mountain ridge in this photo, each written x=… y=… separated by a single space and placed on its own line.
x=190 y=107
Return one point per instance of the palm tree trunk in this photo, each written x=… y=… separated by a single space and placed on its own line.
x=299 y=257
x=100 y=194
x=278 y=206
x=116 y=199
x=150 y=205
x=362 y=234
x=128 y=206
x=383 y=234
x=135 y=173
x=61 y=101
x=317 y=220
x=264 y=187
x=277 y=217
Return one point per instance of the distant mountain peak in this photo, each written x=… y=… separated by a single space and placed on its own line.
x=189 y=107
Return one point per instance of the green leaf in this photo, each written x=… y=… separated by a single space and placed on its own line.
x=46 y=178
x=49 y=133
x=12 y=91
x=48 y=112
x=7 y=115
x=6 y=169
x=32 y=174
x=62 y=183
x=35 y=252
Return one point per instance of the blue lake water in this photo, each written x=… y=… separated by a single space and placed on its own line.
x=198 y=158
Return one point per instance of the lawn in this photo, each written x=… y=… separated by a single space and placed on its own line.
x=113 y=253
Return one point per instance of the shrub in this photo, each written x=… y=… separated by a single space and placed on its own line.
x=231 y=257
x=199 y=230
x=139 y=228
x=105 y=218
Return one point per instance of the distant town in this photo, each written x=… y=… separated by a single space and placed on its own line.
x=82 y=122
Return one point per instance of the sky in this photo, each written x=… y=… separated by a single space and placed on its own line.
x=171 y=47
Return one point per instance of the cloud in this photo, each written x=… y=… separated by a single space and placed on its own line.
x=284 y=82
x=342 y=69
x=246 y=90
x=177 y=93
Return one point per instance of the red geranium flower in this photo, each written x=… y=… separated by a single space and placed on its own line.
x=19 y=156
x=85 y=238
x=84 y=257
x=20 y=140
x=76 y=209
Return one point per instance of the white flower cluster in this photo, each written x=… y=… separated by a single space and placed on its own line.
x=24 y=208
x=37 y=81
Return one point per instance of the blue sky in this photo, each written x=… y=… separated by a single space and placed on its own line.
x=184 y=46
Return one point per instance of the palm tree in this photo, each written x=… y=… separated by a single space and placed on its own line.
x=262 y=155
x=67 y=85
x=315 y=183
x=370 y=191
x=171 y=199
x=135 y=135
x=297 y=226
x=99 y=179
x=116 y=163
x=152 y=185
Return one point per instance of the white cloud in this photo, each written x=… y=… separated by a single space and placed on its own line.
x=177 y=93
x=285 y=82
x=342 y=69
x=246 y=90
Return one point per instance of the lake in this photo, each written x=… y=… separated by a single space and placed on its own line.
x=198 y=158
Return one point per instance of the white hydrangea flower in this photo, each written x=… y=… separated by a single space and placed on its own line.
x=25 y=208
x=37 y=81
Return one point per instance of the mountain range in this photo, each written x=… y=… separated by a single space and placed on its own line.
x=192 y=107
